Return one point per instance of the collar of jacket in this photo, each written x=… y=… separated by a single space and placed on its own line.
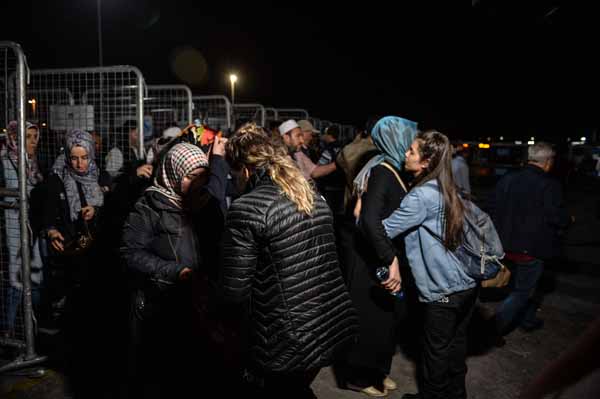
x=258 y=178
x=535 y=168
x=160 y=202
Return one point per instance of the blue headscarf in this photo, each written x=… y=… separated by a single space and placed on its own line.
x=392 y=136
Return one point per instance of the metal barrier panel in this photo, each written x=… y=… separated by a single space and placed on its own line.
x=166 y=106
x=106 y=101
x=292 y=113
x=271 y=114
x=316 y=122
x=214 y=111
x=249 y=112
x=20 y=271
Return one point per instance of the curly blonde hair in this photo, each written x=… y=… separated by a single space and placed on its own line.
x=251 y=147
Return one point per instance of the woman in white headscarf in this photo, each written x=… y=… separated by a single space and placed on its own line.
x=9 y=157
x=74 y=195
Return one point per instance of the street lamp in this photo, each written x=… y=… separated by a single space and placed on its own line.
x=232 y=79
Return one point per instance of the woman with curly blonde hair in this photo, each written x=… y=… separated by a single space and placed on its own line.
x=280 y=260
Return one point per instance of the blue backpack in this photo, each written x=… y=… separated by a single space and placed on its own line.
x=481 y=250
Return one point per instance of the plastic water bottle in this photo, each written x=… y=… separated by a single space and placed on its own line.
x=383 y=273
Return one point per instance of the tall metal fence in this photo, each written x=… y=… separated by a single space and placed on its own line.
x=214 y=111
x=166 y=106
x=106 y=101
x=249 y=112
x=271 y=115
x=20 y=270
x=292 y=113
x=316 y=122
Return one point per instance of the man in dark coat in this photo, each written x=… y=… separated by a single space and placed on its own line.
x=529 y=213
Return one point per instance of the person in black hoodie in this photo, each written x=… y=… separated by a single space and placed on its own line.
x=280 y=263
x=161 y=251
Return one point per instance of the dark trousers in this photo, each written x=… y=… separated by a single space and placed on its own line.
x=518 y=308
x=445 y=346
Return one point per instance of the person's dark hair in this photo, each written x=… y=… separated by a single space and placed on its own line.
x=435 y=147
x=129 y=124
x=370 y=124
x=274 y=124
x=333 y=131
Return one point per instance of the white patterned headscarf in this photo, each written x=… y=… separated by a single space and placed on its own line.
x=88 y=179
x=181 y=160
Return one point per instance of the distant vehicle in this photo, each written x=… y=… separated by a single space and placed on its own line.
x=490 y=161
x=585 y=157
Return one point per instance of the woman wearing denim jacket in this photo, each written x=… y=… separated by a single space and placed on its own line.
x=433 y=209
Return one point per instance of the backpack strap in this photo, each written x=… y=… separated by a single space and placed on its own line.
x=391 y=168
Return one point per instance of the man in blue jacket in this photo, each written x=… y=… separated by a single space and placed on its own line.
x=529 y=214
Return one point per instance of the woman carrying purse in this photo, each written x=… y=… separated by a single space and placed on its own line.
x=70 y=212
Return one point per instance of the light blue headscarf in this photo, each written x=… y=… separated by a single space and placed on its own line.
x=392 y=136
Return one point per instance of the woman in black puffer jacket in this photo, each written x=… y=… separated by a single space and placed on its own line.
x=161 y=251
x=280 y=259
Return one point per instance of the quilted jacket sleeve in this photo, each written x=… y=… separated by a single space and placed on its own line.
x=240 y=253
x=136 y=250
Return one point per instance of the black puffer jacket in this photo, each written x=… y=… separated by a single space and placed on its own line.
x=285 y=264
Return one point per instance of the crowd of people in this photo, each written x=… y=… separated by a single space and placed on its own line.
x=260 y=256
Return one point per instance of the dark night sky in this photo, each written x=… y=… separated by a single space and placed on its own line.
x=497 y=69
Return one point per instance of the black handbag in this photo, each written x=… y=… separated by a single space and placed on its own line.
x=84 y=236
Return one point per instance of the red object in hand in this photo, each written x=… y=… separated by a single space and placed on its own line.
x=208 y=135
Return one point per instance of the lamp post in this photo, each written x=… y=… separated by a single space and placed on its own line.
x=232 y=79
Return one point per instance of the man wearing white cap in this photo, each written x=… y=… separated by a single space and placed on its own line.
x=292 y=136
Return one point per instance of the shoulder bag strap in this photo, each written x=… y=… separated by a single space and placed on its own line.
x=388 y=166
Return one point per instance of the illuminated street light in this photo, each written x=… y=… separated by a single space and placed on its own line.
x=33 y=103
x=233 y=79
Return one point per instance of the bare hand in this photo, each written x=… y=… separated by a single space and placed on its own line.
x=56 y=240
x=88 y=213
x=144 y=171
x=394 y=282
x=219 y=146
x=185 y=274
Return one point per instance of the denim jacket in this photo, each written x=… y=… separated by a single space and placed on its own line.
x=436 y=270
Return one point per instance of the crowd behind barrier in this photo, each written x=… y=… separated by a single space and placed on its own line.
x=150 y=228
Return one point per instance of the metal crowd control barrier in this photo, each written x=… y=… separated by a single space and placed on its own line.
x=215 y=111
x=316 y=122
x=166 y=106
x=108 y=101
x=292 y=113
x=249 y=112
x=271 y=115
x=16 y=310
